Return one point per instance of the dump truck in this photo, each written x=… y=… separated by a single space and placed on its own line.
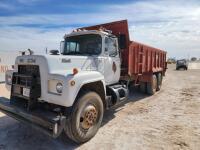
x=69 y=91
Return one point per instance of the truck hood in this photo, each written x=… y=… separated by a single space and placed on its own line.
x=60 y=64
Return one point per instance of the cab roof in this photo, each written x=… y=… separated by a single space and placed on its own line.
x=82 y=32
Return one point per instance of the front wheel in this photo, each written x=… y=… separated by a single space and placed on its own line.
x=86 y=117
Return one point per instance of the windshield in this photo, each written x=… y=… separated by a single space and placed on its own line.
x=181 y=61
x=88 y=44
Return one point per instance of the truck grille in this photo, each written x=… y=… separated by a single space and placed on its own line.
x=29 y=70
x=27 y=77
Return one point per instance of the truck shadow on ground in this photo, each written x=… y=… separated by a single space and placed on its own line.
x=133 y=97
x=15 y=135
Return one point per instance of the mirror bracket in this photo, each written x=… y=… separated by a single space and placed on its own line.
x=62 y=45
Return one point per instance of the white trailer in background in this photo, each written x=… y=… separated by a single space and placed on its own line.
x=7 y=59
x=194 y=65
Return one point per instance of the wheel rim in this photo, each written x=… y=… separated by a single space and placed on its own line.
x=88 y=117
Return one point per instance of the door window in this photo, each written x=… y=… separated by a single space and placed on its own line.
x=73 y=46
x=111 y=46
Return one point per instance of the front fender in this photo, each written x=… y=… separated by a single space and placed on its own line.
x=70 y=91
x=84 y=78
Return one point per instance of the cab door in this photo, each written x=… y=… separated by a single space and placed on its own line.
x=111 y=61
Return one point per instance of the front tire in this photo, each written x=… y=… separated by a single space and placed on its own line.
x=86 y=117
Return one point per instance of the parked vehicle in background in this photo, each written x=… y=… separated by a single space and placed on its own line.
x=182 y=64
x=193 y=59
x=70 y=91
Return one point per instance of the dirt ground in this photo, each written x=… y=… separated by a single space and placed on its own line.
x=168 y=120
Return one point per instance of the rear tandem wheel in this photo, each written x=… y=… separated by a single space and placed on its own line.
x=152 y=86
x=159 y=81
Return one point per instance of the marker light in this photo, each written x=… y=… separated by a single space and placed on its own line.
x=72 y=83
x=75 y=71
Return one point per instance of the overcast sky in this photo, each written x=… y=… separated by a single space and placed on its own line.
x=170 y=25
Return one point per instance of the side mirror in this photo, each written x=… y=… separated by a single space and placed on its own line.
x=54 y=52
x=106 y=51
x=122 y=41
x=115 y=45
x=113 y=54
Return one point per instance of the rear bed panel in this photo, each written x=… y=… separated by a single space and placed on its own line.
x=144 y=59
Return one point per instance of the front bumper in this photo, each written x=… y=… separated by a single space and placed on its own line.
x=46 y=121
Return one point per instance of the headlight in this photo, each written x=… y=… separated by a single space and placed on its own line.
x=55 y=87
x=59 y=87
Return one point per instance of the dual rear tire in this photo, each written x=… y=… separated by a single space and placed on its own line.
x=159 y=81
x=153 y=86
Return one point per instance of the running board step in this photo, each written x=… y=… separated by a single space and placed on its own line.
x=117 y=93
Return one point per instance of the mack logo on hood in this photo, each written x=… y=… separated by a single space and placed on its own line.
x=31 y=60
x=64 y=60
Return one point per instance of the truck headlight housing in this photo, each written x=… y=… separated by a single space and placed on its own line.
x=59 y=87
x=55 y=86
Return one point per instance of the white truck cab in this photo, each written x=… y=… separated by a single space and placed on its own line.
x=98 y=47
x=78 y=83
x=85 y=57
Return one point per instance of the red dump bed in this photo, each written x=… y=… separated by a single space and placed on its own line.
x=144 y=59
x=137 y=59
